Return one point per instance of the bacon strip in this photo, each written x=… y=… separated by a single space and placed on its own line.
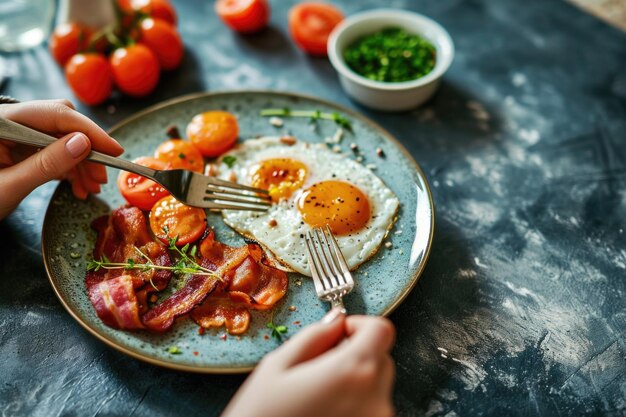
x=265 y=285
x=118 y=295
x=161 y=317
x=119 y=237
x=115 y=303
x=251 y=285
x=227 y=309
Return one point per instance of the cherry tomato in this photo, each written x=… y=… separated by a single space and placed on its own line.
x=163 y=39
x=140 y=191
x=180 y=154
x=90 y=77
x=67 y=40
x=135 y=70
x=245 y=16
x=125 y=6
x=213 y=132
x=158 y=9
x=170 y=219
x=310 y=25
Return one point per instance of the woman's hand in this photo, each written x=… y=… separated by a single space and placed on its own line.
x=338 y=367
x=22 y=169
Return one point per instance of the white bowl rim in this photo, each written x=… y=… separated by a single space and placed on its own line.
x=370 y=15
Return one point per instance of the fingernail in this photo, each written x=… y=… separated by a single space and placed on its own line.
x=77 y=145
x=333 y=315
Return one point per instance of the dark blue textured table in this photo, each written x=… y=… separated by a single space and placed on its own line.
x=521 y=309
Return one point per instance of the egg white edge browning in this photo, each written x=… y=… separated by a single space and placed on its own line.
x=271 y=141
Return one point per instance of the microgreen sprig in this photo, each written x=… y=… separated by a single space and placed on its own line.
x=313 y=115
x=278 y=331
x=185 y=264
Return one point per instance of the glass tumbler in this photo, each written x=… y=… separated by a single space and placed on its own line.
x=24 y=24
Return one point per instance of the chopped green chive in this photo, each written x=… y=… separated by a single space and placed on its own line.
x=391 y=55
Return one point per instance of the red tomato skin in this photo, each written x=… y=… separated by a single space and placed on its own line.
x=90 y=77
x=313 y=40
x=162 y=39
x=244 y=16
x=135 y=70
x=158 y=9
x=67 y=40
x=143 y=193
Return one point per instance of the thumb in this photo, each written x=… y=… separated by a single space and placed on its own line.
x=50 y=163
x=312 y=341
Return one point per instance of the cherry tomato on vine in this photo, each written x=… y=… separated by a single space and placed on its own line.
x=135 y=70
x=163 y=39
x=310 y=25
x=158 y=9
x=140 y=191
x=170 y=219
x=245 y=16
x=213 y=132
x=181 y=154
x=67 y=40
x=90 y=77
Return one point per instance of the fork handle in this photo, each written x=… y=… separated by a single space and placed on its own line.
x=18 y=133
x=338 y=303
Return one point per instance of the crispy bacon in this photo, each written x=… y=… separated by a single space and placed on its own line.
x=241 y=280
x=251 y=285
x=265 y=285
x=229 y=309
x=120 y=235
x=115 y=302
x=118 y=295
x=161 y=317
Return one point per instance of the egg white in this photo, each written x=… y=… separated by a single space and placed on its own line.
x=285 y=240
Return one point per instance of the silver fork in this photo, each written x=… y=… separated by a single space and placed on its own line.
x=331 y=276
x=187 y=187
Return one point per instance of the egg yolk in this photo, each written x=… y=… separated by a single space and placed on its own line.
x=280 y=176
x=341 y=205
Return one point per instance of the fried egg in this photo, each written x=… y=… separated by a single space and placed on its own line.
x=310 y=186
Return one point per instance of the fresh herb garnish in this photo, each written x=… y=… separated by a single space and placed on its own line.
x=185 y=265
x=313 y=115
x=174 y=350
x=391 y=55
x=181 y=155
x=229 y=160
x=278 y=331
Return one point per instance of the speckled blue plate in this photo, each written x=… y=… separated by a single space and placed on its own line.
x=382 y=282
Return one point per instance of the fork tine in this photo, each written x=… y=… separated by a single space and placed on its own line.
x=234 y=185
x=328 y=253
x=211 y=204
x=214 y=189
x=315 y=274
x=242 y=199
x=323 y=254
x=318 y=262
x=342 y=261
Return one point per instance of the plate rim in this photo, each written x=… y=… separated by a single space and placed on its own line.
x=188 y=97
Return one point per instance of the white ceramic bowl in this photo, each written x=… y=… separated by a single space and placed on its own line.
x=381 y=95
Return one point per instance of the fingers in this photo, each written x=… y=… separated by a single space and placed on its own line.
x=52 y=162
x=96 y=172
x=58 y=116
x=311 y=342
x=368 y=335
x=48 y=164
x=386 y=376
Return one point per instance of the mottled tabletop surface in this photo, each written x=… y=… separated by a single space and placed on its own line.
x=522 y=307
